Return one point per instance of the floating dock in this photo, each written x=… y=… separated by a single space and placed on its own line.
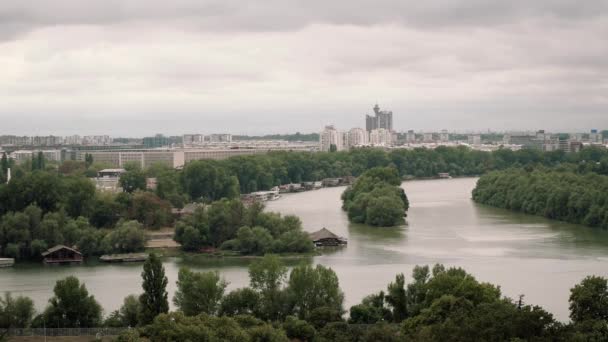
x=129 y=257
x=7 y=262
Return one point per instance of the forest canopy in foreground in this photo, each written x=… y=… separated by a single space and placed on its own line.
x=307 y=304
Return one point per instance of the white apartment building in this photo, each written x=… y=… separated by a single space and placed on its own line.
x=330 y=136
x=444 y=136
x=357 y=137
x=381 y=137
x=215 y=138
x=193 y=139
x=96 y=140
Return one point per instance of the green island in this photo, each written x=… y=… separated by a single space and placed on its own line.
x=376 y=198
x=566 y=193
x=306 y=303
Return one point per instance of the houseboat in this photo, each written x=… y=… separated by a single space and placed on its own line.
x=61 y=254
x=324 y=237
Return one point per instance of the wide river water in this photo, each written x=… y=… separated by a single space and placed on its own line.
x=523 y=254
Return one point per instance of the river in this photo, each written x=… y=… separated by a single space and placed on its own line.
x=523 y=254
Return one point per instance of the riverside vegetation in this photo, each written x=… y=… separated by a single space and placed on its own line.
x=562 y=193
x=306 y=304
x=46 y=203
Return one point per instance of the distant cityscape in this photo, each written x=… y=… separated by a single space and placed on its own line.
x=379 y=132
x=175 y=151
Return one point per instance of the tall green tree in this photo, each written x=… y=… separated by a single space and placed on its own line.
x=396 y=297
x=15 y=312
x=199 y=292
x=589 y=300
x=88 y=160
x=154 y=299
x=4 y=164
x=72 y=306
x=133 y=180
x=267 y=277
x=310 y=288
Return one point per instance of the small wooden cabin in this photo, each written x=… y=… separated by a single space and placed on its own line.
x=324 y=237
x=61 y=254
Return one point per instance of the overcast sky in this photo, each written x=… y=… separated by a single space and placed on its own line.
x=136 y=67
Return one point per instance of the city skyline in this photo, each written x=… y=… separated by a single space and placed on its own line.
x=149 y=66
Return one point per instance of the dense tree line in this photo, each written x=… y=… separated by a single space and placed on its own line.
x=231 y=225
x=43 y=208
x=439 y=304
x=376 y=198
x=65 y=192
x=26 y=234
x=559 y=193
x=215 y=179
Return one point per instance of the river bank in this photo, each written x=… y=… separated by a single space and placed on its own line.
x=523 y=254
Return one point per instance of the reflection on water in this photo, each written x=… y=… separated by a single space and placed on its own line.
x=521 y=253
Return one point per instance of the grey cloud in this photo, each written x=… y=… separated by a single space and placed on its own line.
x=20 y=16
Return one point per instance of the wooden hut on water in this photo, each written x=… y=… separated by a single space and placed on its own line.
x=324 y=238
x=61 y=254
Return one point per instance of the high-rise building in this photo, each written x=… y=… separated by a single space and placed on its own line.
x=330 y=136
x=444 y=136
x=357 y=137
x=381 y=119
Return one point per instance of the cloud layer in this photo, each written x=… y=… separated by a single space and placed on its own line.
x=138 y=67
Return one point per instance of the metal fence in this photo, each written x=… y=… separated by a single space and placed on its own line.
x=67 y=331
